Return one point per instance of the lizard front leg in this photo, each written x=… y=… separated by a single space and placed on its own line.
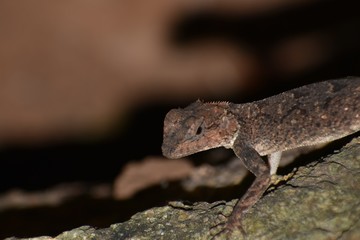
x=255 y=164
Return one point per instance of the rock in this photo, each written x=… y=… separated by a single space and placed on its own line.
x=320 y=201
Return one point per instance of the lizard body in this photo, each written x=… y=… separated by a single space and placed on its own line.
x=308 y=115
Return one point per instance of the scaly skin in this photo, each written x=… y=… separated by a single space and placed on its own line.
x=308 y=115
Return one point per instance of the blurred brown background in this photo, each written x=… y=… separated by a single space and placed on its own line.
x=85 y=85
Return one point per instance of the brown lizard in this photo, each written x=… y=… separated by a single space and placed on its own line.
x=308 y=115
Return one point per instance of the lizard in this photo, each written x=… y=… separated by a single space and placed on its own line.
x=312 y=114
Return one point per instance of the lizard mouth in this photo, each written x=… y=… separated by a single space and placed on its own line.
x=167 y=151
x=172 y=152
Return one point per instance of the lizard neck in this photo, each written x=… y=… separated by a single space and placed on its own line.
x=251 y=122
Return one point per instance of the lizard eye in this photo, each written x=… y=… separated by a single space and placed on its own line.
x=199 y=130
x=195 y=128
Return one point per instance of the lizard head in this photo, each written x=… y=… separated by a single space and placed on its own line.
x=198 y=127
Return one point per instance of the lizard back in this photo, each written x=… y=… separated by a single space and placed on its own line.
x=308 y=115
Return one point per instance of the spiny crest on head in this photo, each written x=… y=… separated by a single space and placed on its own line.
x=221 y=103
x=217 y=104
x=201 y=104
x=199 y=101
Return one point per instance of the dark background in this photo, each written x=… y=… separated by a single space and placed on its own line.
x=39 y=159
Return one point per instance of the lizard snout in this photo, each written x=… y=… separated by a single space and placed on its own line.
x=167 y=150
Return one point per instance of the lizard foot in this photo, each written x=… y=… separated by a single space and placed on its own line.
x=276 y=179
x=227 y=228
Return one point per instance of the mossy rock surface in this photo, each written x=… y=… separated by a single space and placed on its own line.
x=320 y=201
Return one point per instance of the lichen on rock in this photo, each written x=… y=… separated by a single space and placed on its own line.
x=320 y=201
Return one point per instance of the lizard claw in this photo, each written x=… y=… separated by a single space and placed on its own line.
x=276 y=179
x=227 y=230
x=226 y=227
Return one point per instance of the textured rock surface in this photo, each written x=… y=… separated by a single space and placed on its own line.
x=321 y=201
